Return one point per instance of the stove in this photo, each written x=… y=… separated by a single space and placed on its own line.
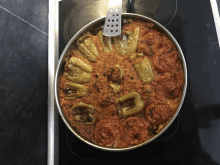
x=193 y=136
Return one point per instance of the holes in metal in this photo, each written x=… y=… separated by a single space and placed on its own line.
x=112 y=22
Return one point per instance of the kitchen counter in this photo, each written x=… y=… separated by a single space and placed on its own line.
x=23 y=81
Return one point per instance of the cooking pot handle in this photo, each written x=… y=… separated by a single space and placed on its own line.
x=130 y=6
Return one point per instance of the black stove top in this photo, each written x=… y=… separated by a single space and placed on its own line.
x=193 y=136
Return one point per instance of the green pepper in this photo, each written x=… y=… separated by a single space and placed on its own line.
x=85 y=119
x=121 y=73
x=115 y=87
x=144 y=71
x=82 y=113
x=78 y=71
x=120 y=44
x=105 y=41
x=91 y=46
x=75 y=91
x=80 y=64
x=133 y=41
x=129 y=104
x=124 y=45
x=133 y=57
x=88 y=50
x=82 y=39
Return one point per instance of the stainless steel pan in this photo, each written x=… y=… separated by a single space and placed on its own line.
x=97 y=23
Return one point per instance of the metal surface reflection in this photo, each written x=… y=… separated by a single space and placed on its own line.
x=163 y=11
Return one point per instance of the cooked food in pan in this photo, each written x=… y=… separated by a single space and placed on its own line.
x=122 y=91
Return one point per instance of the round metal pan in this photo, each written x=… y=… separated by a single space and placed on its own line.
x=97 y=23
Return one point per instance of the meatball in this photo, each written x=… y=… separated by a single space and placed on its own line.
x=169 y=86
x=154 y=39
x=172 y=89
x=106 y=131
x=157 y=114
x=134 y=130
x=165 y=61
x=145 y=49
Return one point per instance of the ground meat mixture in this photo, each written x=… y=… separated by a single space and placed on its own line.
x=148 y=80
x=112 y=73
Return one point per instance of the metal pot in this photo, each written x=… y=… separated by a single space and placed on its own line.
x=97 y=23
